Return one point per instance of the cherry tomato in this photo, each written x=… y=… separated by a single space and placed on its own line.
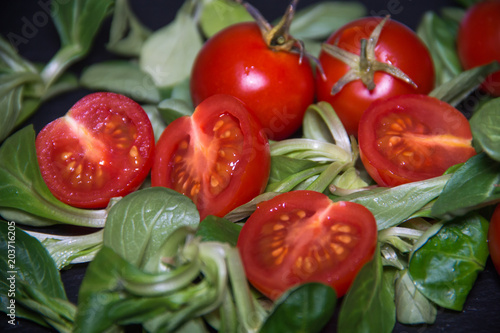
x=302 y=236
x=494 y=238
x=412 y=137
x=397 y=46
x=219 y=157
x=478 y=40
x=102 y=148
x=276 y=86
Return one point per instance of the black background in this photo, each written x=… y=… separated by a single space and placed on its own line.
x=482 y=309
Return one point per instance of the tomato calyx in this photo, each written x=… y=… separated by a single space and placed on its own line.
x=278 y=37
x=364 y=65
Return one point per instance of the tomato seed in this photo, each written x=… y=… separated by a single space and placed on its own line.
x=284 y=217
x=218 y=125
x=279 y=226
x=346 y=239
x=341 y=228
x=301 y=214
x=337 y=249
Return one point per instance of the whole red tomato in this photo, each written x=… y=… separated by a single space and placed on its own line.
x=277 y=86
x=394 y=64
x=478 y=40
x=494 y=238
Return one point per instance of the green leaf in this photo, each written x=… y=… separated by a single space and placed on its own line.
x=485 y=126
x=412 y=307
x=168 y=54
x=446 y=267
x=439 y=34
x=39 y=292
x=321 y=123
x=157 y=121
x=98 y=292
x=219 y=14
x=172 y=108
x=22 y=187
x=305 y=308
x=77 y=22
x=473 y=185
x=30 y=263
x=391 y=206
x=72 y=249
x=218 y=229
x=369 y=302
x=456 y=89
x=66 y=82
x=127 y=33
x=318 y=21
x=139 y=223
x=16 y=74
x=11 y=61
x=283 y=167
x=245 y=210
x=122 y=77
x=11 y=106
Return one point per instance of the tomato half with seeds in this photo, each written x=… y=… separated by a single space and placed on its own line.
x=409 y=138
x=102 y=148
x=219 y=156
x=302 y=236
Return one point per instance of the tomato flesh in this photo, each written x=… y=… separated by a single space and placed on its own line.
x=397 y=45
x=412 y=137
x=478 y=40
x=275 y=85
x=494 y=238
x=219 y=157
x=102 y=148
x=302 y=236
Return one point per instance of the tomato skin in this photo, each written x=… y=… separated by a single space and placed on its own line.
x=478 y=39
x=276 y=87
x=494 y=238
x=397 y=45
x=102 y=148
x=302 y=236
x=219 y=172
x=409 y=138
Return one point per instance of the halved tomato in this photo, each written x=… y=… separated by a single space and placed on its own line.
x=219 y=157
x=102 y=148
x=302 y=236
x=409 y=138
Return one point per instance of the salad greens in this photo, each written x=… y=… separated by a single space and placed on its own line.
x=154 y=264
x=39 y=291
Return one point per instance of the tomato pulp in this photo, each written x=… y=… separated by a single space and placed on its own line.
x=478 y=40
x=412 y=137
x=219 y=157
x=102 y=148
x=302 y=236
x=397 y=45
x=276 y=86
